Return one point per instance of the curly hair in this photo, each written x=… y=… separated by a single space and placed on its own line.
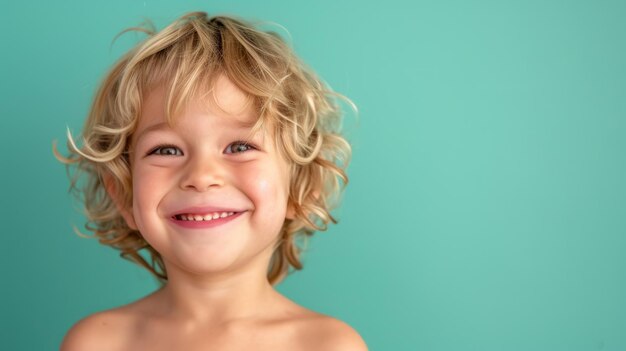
x=186 y=56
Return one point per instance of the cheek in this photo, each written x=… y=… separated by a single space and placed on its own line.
x=147 y=192
x=140 y=184
x=139 y=200
x=267 y=188
x=264 y=192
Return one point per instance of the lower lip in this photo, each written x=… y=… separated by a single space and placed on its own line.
x=205 y=224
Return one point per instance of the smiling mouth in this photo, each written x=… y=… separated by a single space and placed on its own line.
x=191 y=217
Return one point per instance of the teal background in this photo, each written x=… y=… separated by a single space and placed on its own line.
x=486 y=208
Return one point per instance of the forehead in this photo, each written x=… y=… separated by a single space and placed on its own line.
x=222 y=100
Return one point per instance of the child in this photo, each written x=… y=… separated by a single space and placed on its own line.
x=210 y=148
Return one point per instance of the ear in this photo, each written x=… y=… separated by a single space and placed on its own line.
x=111 y=189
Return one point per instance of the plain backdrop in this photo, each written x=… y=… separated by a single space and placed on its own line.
x=486 y=208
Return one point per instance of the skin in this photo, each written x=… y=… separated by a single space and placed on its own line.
x=217 y=296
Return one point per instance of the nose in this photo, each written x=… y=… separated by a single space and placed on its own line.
x=202 y=174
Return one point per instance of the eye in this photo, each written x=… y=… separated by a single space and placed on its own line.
x=166 y=150
x=238 y=147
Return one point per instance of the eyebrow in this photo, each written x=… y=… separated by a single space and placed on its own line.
x=243 y=124
x=165 y=125
x=151 y=128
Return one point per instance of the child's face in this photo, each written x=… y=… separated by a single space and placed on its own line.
x=196 y=170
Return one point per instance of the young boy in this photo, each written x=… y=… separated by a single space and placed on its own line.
x=210 y=147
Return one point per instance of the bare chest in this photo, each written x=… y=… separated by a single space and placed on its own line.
x=223 y=338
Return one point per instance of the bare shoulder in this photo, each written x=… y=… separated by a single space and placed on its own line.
x=326 y=333
x=309 y=330
x=108 y=330
x=105 y=330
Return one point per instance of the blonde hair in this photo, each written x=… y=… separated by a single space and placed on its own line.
x=188 y=55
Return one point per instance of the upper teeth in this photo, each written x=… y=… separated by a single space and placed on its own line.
x=206 y=217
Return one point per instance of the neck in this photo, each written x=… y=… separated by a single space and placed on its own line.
x=217 y=298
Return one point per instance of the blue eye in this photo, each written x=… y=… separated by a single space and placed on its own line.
x=166 y=150
x=238 y=147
